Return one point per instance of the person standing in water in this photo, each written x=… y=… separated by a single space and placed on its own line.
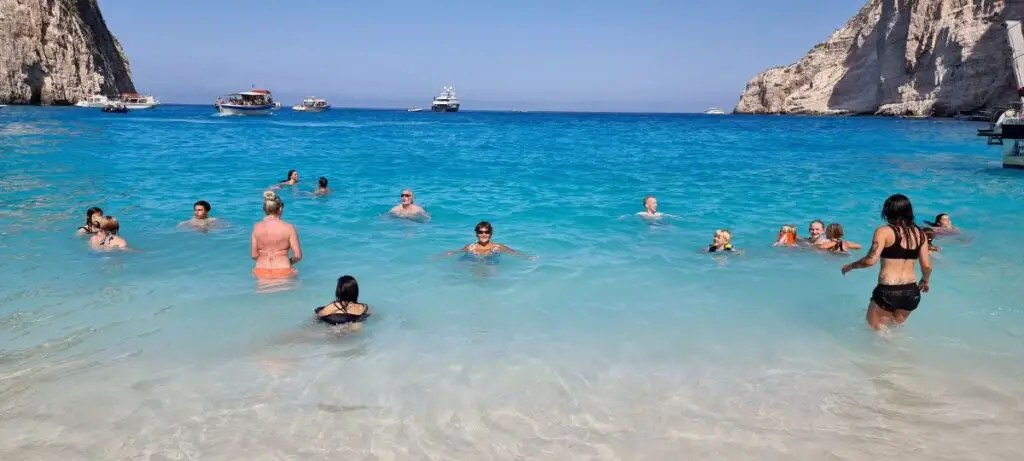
x=407 y=208
x=899 y=244
x=92 y=221
x=272 y=239
x=107 y=238
x=484 y=246
x=200 y=215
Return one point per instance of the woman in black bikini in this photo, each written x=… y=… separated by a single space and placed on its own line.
x=346 y=309
x=92 y=225
x=835 y=244
x=898 y=244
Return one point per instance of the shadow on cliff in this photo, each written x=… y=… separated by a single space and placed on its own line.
x=106 y=49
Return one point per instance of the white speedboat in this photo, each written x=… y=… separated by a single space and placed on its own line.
x=138 y=101
x=96 y=100
x=312 y=104
x=252 y=102
x=714 y=111
x=446 y=101
x=414 y=109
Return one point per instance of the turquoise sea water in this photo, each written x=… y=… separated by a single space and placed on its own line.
x=623 y=341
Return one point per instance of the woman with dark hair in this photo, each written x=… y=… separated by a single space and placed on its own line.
x=484 y=246
x=899 y=244
x=346 y=308
x=942 y=224
x=321 y=187
x=293 y=177
x=92 y=221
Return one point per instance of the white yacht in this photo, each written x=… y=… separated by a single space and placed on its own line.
x=252 y=102
x=414 y=109
x=138 y=101
x=312 y=104
x=714 y=111
x=447 y=101
x=96 y=100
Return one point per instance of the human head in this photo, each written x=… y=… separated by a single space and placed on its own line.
x=787 y=234
x=109 y=225
x=272 y=204
x=484 y=231
x=722 y=237
x=898 y=211
x=92 y=216
x=407 y=197
x=942 y=220
x=651 y=203
x=347 y=290
x=816 y=228
x=201 y=209
x=322 y=182
x=293 y=175
x=929 y=233
x=834 y=231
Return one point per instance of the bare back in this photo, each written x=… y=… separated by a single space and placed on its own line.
x=910 y=248
x=272 y=238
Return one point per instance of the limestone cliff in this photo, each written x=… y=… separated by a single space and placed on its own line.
x=58 y=51
x=899 y=57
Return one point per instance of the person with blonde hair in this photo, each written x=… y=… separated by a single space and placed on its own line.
x=272 y=239
x=722 y=241
x=106 y=238
x=787 y=236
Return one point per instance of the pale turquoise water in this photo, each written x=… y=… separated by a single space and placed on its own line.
x=622 y=341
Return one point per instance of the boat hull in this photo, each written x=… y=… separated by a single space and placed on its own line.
x=310 y=109
x=140 y=106
x=90 y=104
x=445 y=108
x=232 y=109
x=1013 y=153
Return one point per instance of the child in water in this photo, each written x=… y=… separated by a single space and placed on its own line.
x=835 y=243
x=722 y=241
x=787 y=236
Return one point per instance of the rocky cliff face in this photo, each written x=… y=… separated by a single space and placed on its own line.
x=899 y=57
x=58 y=51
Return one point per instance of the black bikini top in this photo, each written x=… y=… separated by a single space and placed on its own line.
x=342 y=317
x=896 y=251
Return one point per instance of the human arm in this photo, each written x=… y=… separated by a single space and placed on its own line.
x=851 y=245
x=871 y=258
x=293 y=242
x=254 y=251
x=512 y=252
x=460 y=250
x=924 y=254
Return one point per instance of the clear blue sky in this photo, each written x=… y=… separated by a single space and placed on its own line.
x=637 y=55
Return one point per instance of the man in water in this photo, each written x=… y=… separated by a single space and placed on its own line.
x=817 y=233
x=200 y=215
x=406 y=208
x=651 y=209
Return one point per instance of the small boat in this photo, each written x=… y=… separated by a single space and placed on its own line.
x=2 y=106
x=277 y=105
x=446 y=101
x=115 y=107
x=96 y=100
x=139 y=101
x=312 y=104
x=714 y=111
x=252 y=102
x=414 y=109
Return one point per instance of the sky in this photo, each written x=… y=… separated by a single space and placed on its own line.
x=572 y=55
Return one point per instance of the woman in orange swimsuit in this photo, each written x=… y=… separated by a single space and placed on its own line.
x=272 y=238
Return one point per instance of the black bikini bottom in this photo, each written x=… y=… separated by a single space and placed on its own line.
x=891 y=297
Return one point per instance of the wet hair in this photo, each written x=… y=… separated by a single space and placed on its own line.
x=347 y=290
x=938 y=220
x=929 y=233
x=834 y=231
x=322 y=182
x=484 y=225
x=290 y=173
x=899 y=213
x=818 y=221
x=272 y=204
x=727 y=233
x=110 y=225
x=89 y=213
x=204 y=204
x=646 y=198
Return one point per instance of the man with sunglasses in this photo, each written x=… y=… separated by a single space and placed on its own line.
x=407 y=208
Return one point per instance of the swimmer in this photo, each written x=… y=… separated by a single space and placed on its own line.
x=835 y=243
x=406 y=207
x=899 y=244
x=930 y=234
x=816 y=230
x=942 y=224
x=107 y=238
x=321 y=187
x=272 y=238
x=651 y=209
x=787 y=236
x=722 y=241
x=200 y=215
x=484 y=246
x=345 y=309
x=293 y=178
x=92 y=221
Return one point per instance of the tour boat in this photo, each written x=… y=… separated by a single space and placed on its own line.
x=138 y=101
x=714 y=111
x=252 y=102
x=414 y=109
x=446 y=101
x=312 y=104
x=96 y=100
x=1008 y=131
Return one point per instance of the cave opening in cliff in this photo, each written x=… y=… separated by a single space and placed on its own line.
x=34 y=78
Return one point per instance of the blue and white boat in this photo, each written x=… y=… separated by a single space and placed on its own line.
x=252 y=102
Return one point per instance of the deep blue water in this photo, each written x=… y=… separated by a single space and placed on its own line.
x=622 y=341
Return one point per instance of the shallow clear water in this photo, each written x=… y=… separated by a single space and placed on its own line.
x=622 y=341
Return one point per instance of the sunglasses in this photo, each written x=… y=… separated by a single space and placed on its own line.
x=483 y=232
x=406 y=195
